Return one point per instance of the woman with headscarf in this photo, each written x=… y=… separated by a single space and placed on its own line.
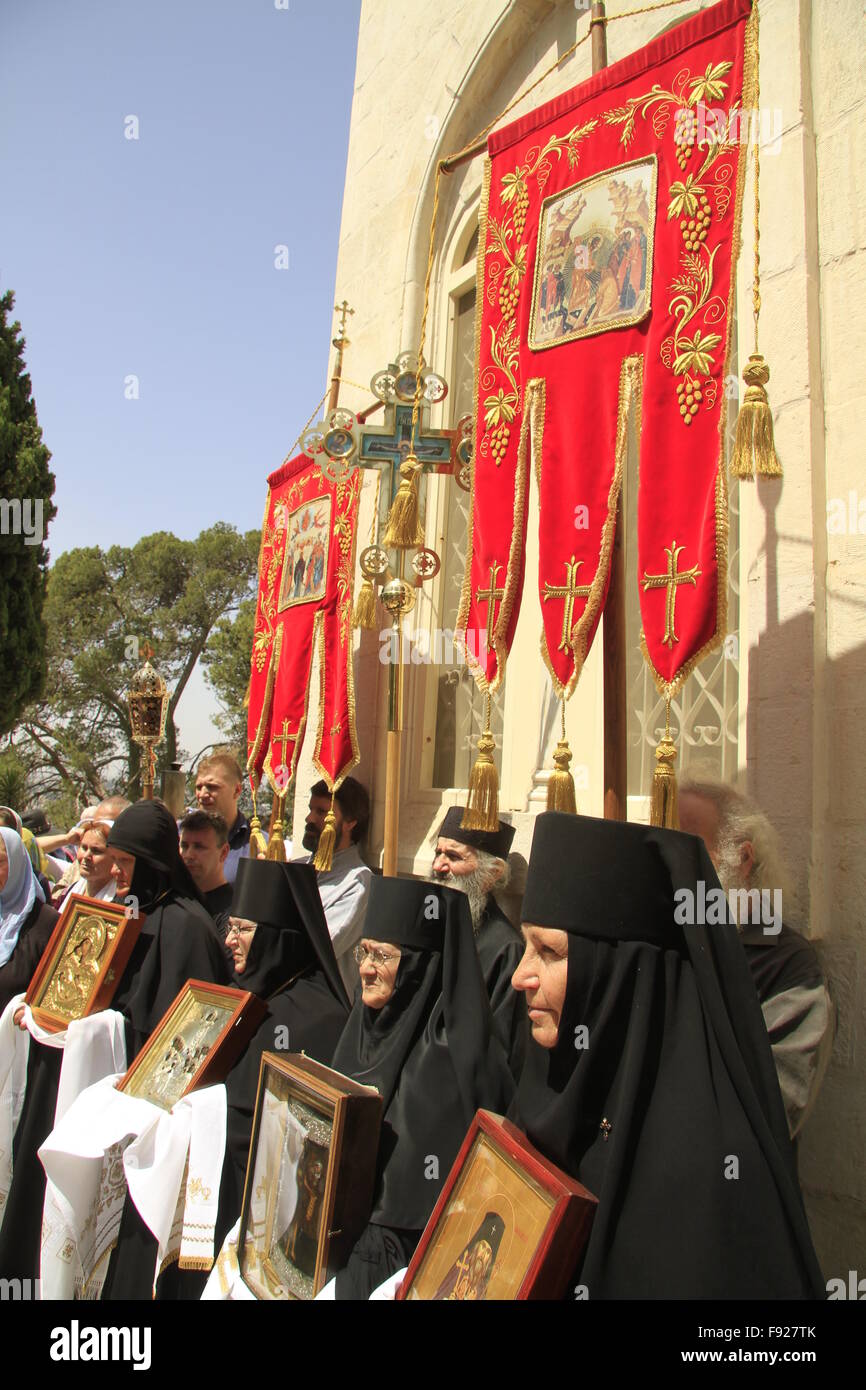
x=26 y=920
x=286 y=959
x=649 y=1075
x=177 y=942
x=429 y=1046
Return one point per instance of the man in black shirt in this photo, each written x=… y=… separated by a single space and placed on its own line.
x=204 y=848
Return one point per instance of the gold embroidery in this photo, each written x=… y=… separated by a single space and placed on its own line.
x=490 y=597
x=197 y=1192
x=569 y=591
x=630 y=389
x=671 y=580
x=503 y=236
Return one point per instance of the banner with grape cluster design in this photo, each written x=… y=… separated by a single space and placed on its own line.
x=609 y=234
x=306 y=569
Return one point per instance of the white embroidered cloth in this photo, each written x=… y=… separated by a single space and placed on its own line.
x=92 y=1047
x=225 y=1282
x=170 y=1162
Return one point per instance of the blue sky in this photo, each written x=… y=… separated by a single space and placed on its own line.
x=155 y=257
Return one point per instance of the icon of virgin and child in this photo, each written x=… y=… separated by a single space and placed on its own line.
x=594 y=244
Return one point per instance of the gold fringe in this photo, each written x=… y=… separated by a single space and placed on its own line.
x=324 y=857
x=663 y=801
x=365 y=607
x=276 y=848
x=755 y=447
x=404 y=525
x=194 y=1262
x=560 y=789
x=482 y=803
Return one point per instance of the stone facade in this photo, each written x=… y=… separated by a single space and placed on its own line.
x=426 y=83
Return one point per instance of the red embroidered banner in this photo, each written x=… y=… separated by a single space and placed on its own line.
x=306 y=567
x=609 y=233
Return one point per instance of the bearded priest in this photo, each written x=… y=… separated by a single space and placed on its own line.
x=475 y=862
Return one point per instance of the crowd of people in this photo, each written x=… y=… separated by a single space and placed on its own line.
x=638 y=1050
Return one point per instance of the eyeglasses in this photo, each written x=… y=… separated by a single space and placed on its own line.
x=361 y=953
x=236 y=929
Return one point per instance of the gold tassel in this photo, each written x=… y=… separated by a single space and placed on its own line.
x=560 y=789
x=663 y=802
x=276 y=849
x=404 y=525
x=258 y=843
x=365 y=607
x=482 y=803
x=324 y=857
x=755 y=447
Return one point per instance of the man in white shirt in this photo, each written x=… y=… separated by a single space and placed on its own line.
x=345 y=886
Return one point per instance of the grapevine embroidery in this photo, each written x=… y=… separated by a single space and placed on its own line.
x=689 y=356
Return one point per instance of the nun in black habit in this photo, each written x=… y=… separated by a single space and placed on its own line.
x=177 y=942
x=291 y=965
x=655 y=1083
x=432 y=1052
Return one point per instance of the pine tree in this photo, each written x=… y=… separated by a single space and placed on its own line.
x=26 y=508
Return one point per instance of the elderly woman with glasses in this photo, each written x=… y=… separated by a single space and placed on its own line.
x=422 y=1033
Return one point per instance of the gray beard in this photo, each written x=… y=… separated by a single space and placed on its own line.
x=470 y=884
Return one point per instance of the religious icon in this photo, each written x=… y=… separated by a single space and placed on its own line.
x=508 y=1224
x=593 y=267
x=194 y=1044
x=300 y=1241
x=467 y=1280
x=305 y=562
x=83 y=961
x=310 y=1176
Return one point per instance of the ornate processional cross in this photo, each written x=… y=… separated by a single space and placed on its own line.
x=570 y=590
x=491 y=597
x=671 y=581
x=386 y=446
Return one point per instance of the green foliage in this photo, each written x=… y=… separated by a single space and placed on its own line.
x=27 y=486
x=13 y=781
x=227 y=671
x=101 y=607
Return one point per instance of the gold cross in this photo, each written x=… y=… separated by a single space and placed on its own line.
x=334 y=730
x=284 y=738
x=343 y=309
x=570 y=590
x=491 y=597
x=605 y=1128
x=671 y=581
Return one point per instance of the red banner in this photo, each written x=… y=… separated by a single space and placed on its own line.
x=306 y=568
x=609 y=234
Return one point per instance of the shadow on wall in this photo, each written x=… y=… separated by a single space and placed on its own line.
x=784 y=714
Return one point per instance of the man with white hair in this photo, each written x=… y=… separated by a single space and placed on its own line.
x=474 y=862
x=795 y=1002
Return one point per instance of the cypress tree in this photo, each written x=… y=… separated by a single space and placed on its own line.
x=26 y=508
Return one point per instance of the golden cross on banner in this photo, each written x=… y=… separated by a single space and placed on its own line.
x=334 y=730
x=287 y=736
x=570 y=590
x=671 y=582
x=491 y=597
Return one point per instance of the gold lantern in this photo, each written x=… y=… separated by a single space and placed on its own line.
x=148 y=706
